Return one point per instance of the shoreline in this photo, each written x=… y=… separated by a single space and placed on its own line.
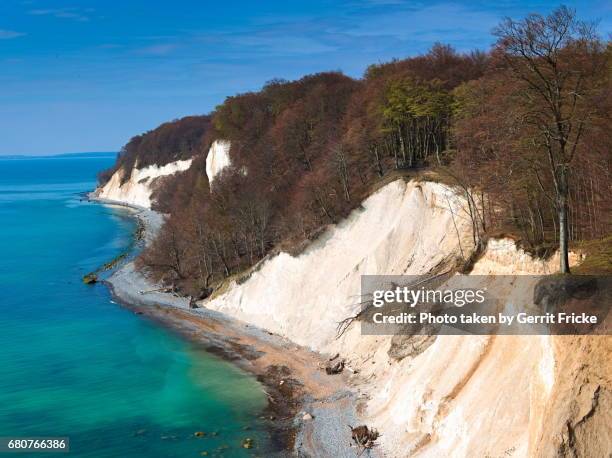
x=292 y=376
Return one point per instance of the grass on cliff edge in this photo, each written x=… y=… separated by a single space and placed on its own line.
x=598 y=260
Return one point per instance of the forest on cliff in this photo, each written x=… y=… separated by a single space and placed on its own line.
x=522 y=130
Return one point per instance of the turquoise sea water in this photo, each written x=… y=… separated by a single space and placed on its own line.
x=72 y=363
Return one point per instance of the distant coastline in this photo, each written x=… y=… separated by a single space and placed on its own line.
x=84 y=155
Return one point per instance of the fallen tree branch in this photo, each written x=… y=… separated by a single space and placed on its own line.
x=343 y=325
x=364 y=437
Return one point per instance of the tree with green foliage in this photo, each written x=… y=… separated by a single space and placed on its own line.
x=418 y=114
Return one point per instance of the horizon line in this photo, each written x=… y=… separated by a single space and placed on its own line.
x=35 y=155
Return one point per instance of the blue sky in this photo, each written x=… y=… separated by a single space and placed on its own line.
x=86 y=75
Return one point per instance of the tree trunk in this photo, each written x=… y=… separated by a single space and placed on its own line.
x=562 y=194
x=402 y=147
x=379 y=168
x=563 y=235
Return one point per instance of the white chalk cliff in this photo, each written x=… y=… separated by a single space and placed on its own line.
x=217 y=159
x=137 y=189
x=402 y=229
x=461 y=396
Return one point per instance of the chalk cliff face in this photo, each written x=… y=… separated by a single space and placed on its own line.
x=217 y=158
x=502 y=257
x=137 y=189
x=402 y=229
x=455 y=396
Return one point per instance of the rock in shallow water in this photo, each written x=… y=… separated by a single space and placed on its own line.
x=247 y=443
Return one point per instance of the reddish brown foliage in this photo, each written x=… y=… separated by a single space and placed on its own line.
x=305 y=153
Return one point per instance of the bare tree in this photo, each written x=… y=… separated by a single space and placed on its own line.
x=340 y=162
x=556 y=58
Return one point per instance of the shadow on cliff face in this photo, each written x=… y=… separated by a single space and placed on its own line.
x=578 y=416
